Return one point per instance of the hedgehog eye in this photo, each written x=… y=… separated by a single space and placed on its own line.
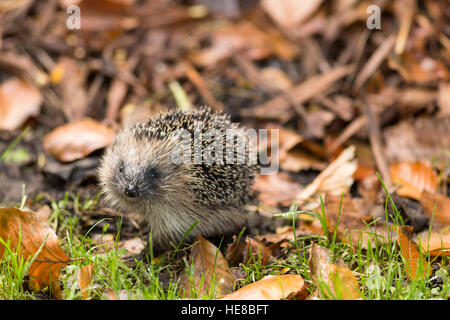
x=121 y=167
x=152 y=174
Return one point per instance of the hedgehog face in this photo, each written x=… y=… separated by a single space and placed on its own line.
x=135 y=173
x=143 y=182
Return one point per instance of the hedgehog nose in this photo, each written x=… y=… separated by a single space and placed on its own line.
x=131 y=191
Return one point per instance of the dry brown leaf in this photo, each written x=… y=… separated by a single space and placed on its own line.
x=430 y=201
x=272 y=288
x=354 y=217
x=335 y=179
x=85 y=279
x=76 y=140
x=287 y=139
x=444 y=99
x=276 y=78
x=416 y=66
x=413 y=178
x=290 y=13
x=18 y=102
x=335 y=277
x=290 y=158
x=45 y=269
x=208 y=261
x=318 y=120
x=107 y=15
x=369 y=186
x=44 y=212
x=411 y=100
x=246 y=38
x=423 y=138
x=276 y=189
x=435 y=243
x=297 y=160
x=411 y=254
x=134 y=246
x=248 y=251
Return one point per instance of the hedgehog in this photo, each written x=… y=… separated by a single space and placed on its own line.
x=181 y=169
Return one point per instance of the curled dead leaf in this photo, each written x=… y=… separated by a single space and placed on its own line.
x=411 y=254
x=276 y=189
x=76 y=140
x=250 y=250
x=272 y=288
x=26 y=228
x=438 y=205
x=437 y=242
x=245 y=37
x=85 y=278
x=335 y=279
x=290 y=13
x=335 y=179
x=18 y=101
x=209 y=265
x=414 y=177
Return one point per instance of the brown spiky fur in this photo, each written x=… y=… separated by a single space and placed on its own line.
x=183 y=193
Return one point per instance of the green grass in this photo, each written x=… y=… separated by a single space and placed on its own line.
x=380 y=269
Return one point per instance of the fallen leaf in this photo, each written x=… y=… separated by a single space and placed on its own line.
x=246 y=38
x=435 y=243
x=414 y=178
x=134 y=246
x=318 y=121
x=336 y=279
x=272 y=288
x=412 y=100
x=444 y=99
x=297 y=160
x=290 y=13
x=208 y=263
x=411 y=254
x=430 y=201
x=249 y=251
x=276 y=78
x=76 y=140
x=369 y=186
x=416 y=67
x=44 y=212
x=85 y=279
x=291 y=156
x=26 y=228
x=335 y=179
x=422 y=138
x=276 y=189
x=18 y=102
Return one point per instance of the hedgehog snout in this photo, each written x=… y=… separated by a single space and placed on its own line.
x=131 y=191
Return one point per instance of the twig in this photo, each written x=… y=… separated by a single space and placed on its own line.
x=347 y=133
x=377 y=145
x=200 y=84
